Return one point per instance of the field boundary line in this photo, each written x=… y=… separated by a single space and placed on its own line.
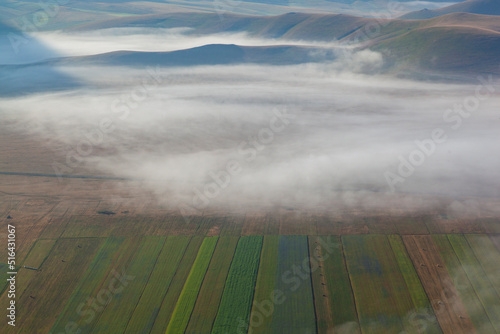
x=201 y=285
x=350 y=283
x=312 y=285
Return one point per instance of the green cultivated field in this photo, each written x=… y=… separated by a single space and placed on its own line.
x=335 y=309
x=382 y=297
x=189 y=294
x=483 y=288
x=421 y=303
x=262 y=301
x=90 y=285
x=295 y=313
x=180 y=277
x=234 y=310
x=35 y=259
x=137 y=270
x=464 y=287
x=61 y=272
x=208 y=277
x=149 y=305
x=205 y=310
x=489 y=257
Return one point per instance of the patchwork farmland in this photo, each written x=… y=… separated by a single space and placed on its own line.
x=147 y=270
x=216 y=274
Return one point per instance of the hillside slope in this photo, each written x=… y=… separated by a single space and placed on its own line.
x=484 y=7
x=464 y=50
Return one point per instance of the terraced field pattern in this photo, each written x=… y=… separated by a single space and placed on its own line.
x=257 y=275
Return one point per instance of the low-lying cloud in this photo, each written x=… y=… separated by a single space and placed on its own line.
x=149 y=39
x=251 y=137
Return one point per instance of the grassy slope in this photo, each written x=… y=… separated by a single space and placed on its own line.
x=458 y=42
x=448 y=49
x=487 y=7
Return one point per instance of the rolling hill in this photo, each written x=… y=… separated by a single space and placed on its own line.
x=212 y=54
x=459 y=42
x=485 y=7
x=463 y=50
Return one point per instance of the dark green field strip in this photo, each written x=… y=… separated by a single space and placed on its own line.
x=90 y=284
x=382 y=298
x=294 y=310
x=207 y=303
x=263 y=306
x=335 y=309
x=49 y=290
x=134 y=278
x=489 y=257
x=236 y=303
x=148 y=307
x=478 y=278
x=462 y=284
x=421 y=303
x=175 y=288
x=189 y=293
